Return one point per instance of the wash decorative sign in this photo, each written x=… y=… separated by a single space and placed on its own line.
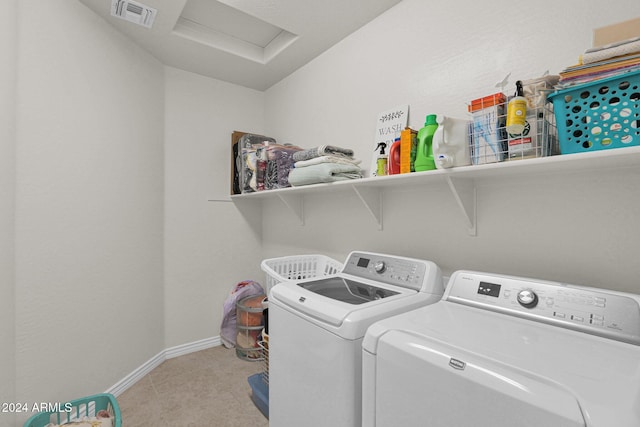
x=388 y=127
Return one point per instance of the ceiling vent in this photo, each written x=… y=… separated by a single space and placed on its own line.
x=133 y=11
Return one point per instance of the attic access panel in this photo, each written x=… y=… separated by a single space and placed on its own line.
x=228 y=29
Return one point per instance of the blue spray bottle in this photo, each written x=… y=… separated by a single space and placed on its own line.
x=424 y=155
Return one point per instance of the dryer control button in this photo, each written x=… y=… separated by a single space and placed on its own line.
x=527 y=298
x=380 y=267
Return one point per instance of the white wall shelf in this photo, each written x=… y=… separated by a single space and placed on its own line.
x=461 y=182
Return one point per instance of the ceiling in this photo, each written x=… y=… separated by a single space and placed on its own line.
x=253 y=43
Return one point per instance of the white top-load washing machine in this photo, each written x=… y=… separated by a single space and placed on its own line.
x=501 y=351
x=316 y=327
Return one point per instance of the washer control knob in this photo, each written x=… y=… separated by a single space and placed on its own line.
x=527 y=298
x=380 y=267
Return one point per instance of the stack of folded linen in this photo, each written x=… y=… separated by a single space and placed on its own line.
x=601 y=62
x=325 y=163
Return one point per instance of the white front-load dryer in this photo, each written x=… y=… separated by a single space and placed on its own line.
x=500 y=351
x=316 y=327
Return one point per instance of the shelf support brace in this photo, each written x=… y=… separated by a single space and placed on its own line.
x=372 y=200
x=251 y=210
x=295 y=203
x=464 y=192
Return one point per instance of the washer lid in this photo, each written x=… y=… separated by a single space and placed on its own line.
x=444 y=386
x=601 y=373
x=345 y=290
x=338 y=302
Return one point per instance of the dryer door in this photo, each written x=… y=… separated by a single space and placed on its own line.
x=422 y=381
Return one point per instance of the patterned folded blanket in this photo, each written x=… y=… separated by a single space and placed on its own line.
x=322 y=150
x=327 y=159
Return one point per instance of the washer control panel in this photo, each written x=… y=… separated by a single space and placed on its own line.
x=399 y=271
x=610 y=314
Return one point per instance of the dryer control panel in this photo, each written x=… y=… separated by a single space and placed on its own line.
x=609 y=314
x=420 y=275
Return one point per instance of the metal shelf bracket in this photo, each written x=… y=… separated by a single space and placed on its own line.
x=372 y=200
x=295 y=203
x=464 y=192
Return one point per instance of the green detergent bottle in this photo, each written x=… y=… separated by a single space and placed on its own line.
x=424 y=156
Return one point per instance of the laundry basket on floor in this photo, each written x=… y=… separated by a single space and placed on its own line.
x=76 y=410
x=250 y=323
x=298 y=267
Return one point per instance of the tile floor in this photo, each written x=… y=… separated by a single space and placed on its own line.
x=207 y=388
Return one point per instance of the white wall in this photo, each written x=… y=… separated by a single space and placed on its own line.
x=209 y=246
x=119 y=252
x=437 y=56
x=89 y=204
x=8 y=75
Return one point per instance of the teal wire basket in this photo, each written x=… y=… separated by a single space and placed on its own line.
x=77 y=409
x=599 y=115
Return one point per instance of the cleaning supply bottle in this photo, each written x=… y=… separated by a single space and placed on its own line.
x=382 y=159
x=517 y=111
x=452 y=143
x=424 y=155
x=393 y=164
x=407 y=150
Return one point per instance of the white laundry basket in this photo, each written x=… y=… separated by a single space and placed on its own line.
x=298 y=267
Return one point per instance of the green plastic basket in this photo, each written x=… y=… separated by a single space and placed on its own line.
x=84 y=407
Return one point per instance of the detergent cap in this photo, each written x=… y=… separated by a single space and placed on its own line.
x=431 y=120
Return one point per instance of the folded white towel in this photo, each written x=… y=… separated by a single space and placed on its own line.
x=323 y=172
x=612 y=50
x=327 y=159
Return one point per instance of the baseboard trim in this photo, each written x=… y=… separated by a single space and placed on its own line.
x=169 y=353
x=181 y=350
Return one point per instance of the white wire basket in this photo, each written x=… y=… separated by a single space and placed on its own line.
x=264 y=345
x=298 y=267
